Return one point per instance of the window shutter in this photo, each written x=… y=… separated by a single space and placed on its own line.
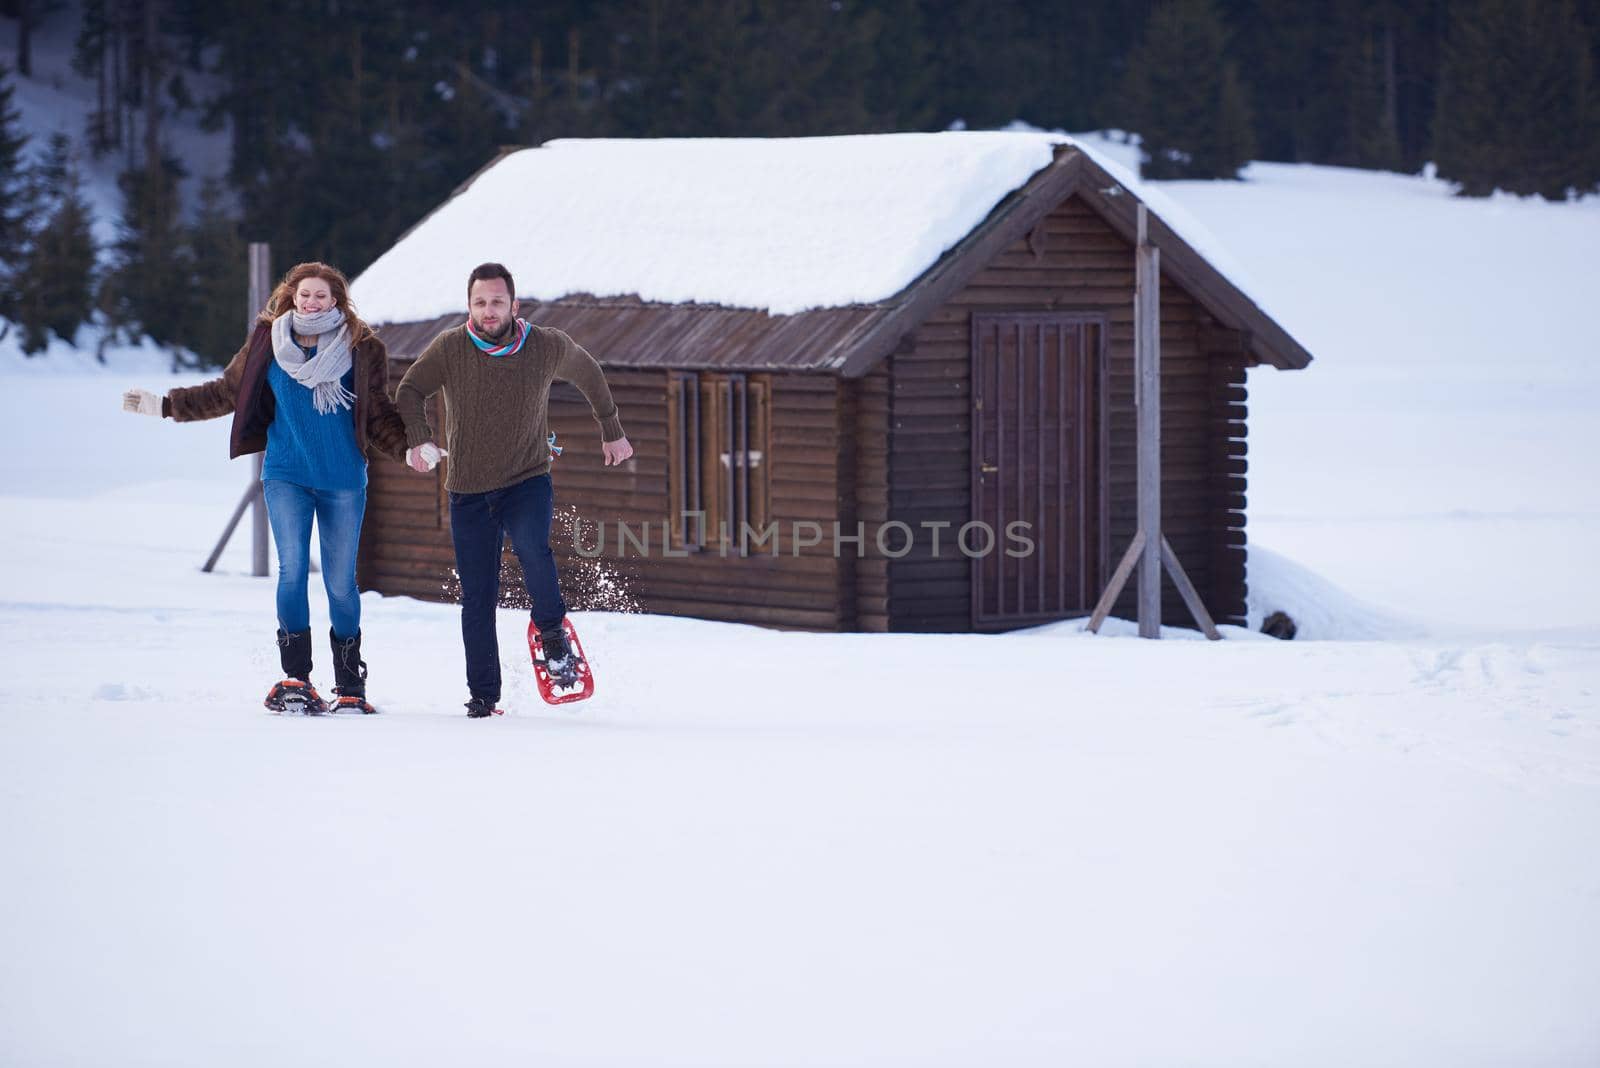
x=718 y=463
x=684 y=461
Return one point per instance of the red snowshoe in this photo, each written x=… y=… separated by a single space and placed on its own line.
x=566 y=679
x=352 y=704
x=291 y=697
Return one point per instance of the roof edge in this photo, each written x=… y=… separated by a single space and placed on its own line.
x=1215 y=291
x=1010 y=219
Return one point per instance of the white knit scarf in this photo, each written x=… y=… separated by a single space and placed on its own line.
x=322 y=372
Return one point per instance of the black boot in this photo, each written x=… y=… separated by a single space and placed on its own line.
x=555 y=645
x=294 y=650
x=480 y=707
x=560 y=660
x=349 y=674
x=295 y=692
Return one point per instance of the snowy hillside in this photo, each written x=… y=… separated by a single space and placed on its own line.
x=56 y=99
x=761 y=848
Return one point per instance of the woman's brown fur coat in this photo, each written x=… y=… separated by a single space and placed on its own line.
x=243 y=390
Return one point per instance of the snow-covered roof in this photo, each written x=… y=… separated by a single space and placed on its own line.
x=778 y=226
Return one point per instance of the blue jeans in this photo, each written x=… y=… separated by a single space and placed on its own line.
x=290 y=508
x=479 y=525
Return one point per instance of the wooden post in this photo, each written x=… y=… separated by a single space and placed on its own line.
x=1149 y=550
x=1147 y=405
x=260 y=536
x=260 y=292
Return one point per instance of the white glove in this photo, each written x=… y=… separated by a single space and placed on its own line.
x=142 y=402
x=428 y=453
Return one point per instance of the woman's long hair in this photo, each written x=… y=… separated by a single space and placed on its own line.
x=282 y=299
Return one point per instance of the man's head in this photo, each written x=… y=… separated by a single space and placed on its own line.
x=491 y=299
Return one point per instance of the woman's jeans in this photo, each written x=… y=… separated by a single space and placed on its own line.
x=290 y=509
x=479 y=525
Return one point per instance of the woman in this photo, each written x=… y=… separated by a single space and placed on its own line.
x=310 y=387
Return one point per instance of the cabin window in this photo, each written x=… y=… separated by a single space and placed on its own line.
x=718 y=444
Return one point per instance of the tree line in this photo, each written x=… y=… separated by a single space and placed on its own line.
x=350 y=119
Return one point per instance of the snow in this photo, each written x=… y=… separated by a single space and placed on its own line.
x=1372 y=845
x=783 y=224
x=844 y=850
x=93 y=348
x=1320 y=610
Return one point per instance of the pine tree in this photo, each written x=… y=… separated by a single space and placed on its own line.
x=899 y=89
x=806 y=71
x=688 y=65
x=92 y=56
x=218 y=315
x=1232 y=141
x=149 y=286
x=1371 y=136
x=1184 y=96
x=1516 y=99
x=56 y=285
x=978 y=79
x=15 y=191
x=1071 y=58
x=751 y=68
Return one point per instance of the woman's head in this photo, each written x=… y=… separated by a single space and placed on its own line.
x=311 y=288
x=312 y=294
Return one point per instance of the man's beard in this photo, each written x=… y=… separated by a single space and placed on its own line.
x=506 y=326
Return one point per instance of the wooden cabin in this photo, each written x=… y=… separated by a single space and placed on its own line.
x=996 y=388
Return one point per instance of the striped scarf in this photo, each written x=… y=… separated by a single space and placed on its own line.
x=509 y=348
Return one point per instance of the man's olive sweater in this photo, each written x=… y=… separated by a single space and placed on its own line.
x=497 y=408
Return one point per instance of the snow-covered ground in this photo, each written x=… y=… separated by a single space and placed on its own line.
x=760 y=848
x=1442 y=453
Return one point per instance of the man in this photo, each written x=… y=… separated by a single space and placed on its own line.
x=495 y=370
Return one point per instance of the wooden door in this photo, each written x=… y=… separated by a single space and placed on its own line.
x=1038 y=380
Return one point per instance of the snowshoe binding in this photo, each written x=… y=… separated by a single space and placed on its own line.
x=559 y=666
x=295 y=697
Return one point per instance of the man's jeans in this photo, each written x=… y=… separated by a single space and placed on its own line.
x=479 y=524
x=290 y=508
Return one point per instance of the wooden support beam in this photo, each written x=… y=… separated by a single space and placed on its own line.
x=1119 y=579
x=1149 y=550
x=1191 y=596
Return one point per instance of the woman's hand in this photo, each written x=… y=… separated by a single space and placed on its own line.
x=141 y=402
x=425 y=457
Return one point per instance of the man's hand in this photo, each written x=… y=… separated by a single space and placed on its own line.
x=141 y=402
x=425 y=457
x=616 y=451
